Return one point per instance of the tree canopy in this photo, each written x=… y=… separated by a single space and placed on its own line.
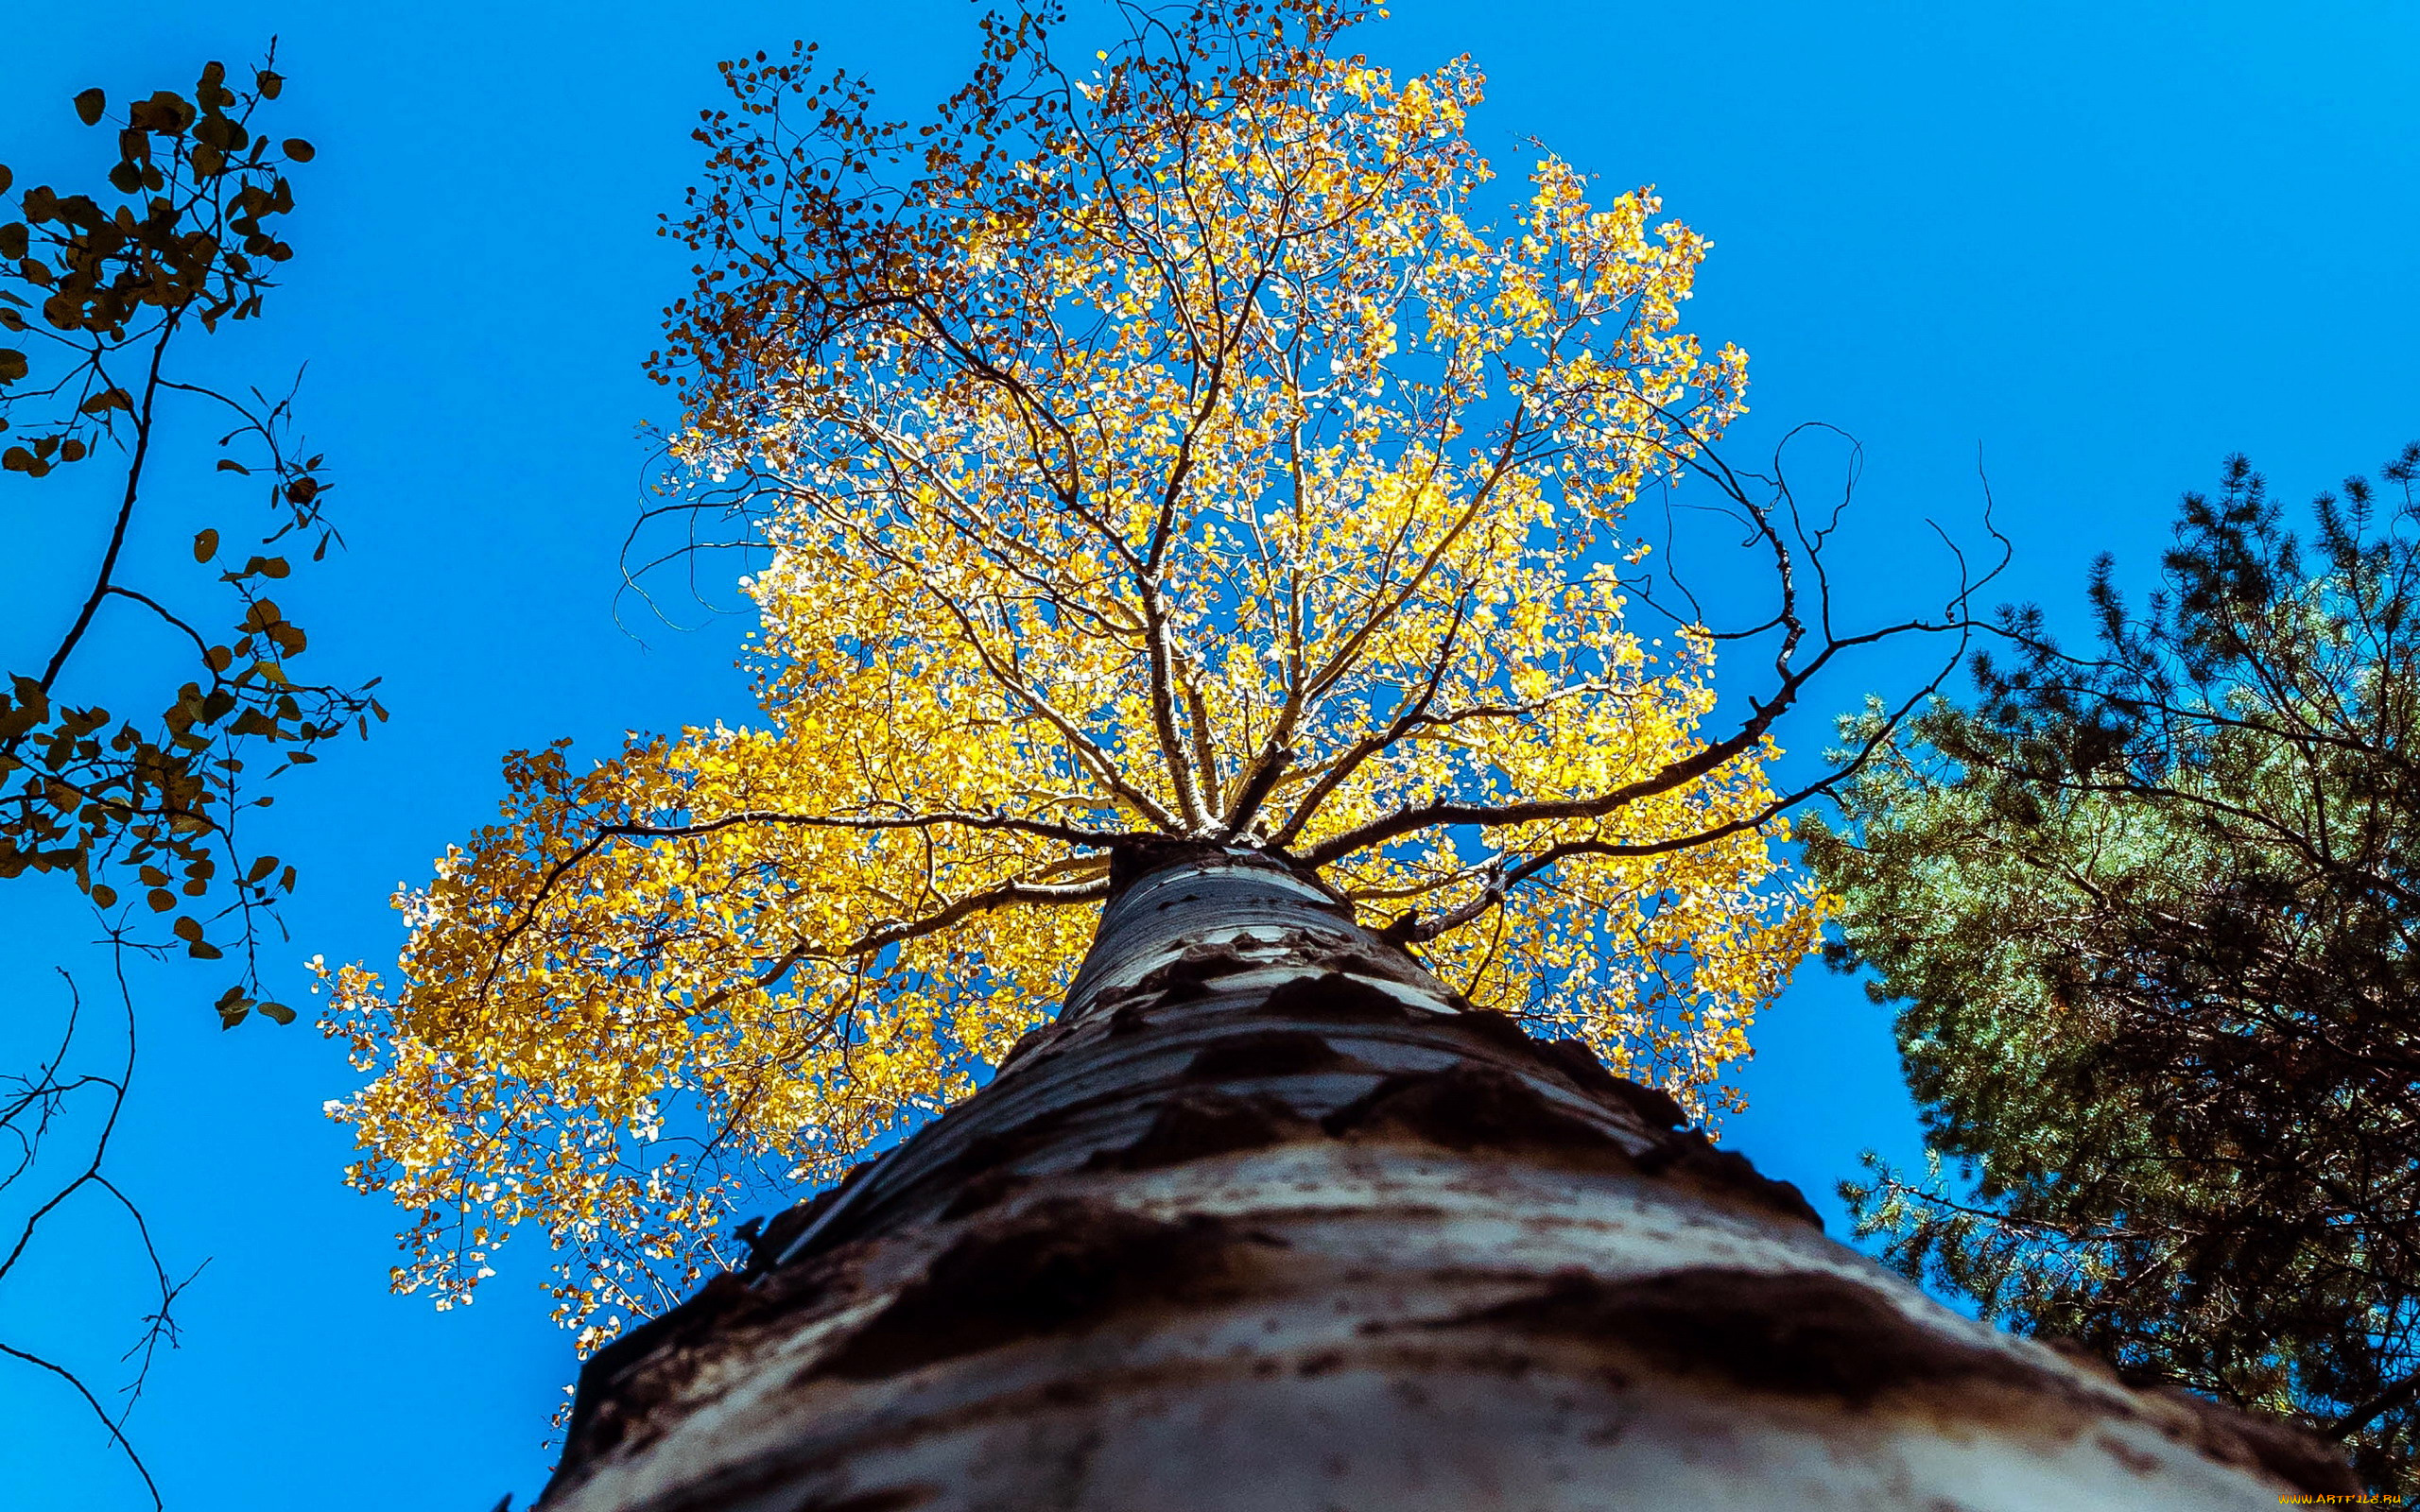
x=2150 y=914
x=1167 y=446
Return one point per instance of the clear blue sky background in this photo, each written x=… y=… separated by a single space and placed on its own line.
x=2107 y=244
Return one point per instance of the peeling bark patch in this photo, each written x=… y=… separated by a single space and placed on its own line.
x=1580 y=1067
x=2299 y=1459
x=1026 y=1042
x=891 y=1499
x=1810 y=1334
x=622 y=1387
x=1131 y=859
x=1792 y=1334
x=1003 y=1148
x=1343 y=998
x=1492 y=1029
x=1198 y=1125
x=1052 y=1268
x=2136 y=1460
x=1693 y=1160
x=1338 y=998
x=1271 y=1053
x=1472 y=1107
x=1366 y=963
x=2076 y=1352
x=1187 y=978
x=985 y=1190
x=1651 y=1104
x=766 y=1238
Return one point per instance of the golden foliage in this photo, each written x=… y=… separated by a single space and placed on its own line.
x=1170 y=449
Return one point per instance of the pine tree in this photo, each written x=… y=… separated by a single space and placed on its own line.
x=2147 y=910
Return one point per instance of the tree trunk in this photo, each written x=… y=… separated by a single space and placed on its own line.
x=1270 y=1218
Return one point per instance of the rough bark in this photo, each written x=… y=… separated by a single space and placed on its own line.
x=1271 y=1218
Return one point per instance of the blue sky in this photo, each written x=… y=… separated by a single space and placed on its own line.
x=2106 y=245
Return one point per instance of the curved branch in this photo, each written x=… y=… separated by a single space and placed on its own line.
x=999 y=895
x=117 y=1434
x=125 y=510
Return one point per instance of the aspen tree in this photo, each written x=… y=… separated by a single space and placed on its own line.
x=1191 y=576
